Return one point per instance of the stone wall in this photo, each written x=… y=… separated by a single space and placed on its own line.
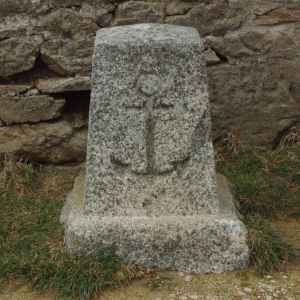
x=45 y=62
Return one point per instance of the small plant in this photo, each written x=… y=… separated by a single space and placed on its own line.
x=268 y=251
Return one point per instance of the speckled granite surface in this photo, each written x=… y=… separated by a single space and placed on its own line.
x=151 y=187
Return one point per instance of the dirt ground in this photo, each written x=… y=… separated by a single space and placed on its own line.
x=177 y=286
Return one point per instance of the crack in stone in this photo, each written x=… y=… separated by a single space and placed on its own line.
x=5 y=38
x=223 y=58
x=269 y=11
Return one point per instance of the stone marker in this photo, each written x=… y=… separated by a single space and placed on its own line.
x=151 y=188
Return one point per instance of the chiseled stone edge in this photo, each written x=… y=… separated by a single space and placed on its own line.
x=204 y=243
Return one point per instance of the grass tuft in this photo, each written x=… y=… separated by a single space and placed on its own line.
x=264 y=183
x=31 y=249
x=268 y=251
x=266 y=186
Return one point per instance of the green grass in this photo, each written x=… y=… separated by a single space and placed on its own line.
x=266 y=185
x=268 y=251
x=31 y=249
x=29 y=175
x=264 y=182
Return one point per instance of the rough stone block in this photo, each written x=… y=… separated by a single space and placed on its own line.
x=32 y=109
x=132 y=12
x=151 y=184
x=54 y=143
x=203 y=243
x=62 y=85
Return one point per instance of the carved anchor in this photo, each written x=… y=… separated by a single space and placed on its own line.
x=151 y=86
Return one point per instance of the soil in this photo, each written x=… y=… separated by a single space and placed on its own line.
x=244 y=285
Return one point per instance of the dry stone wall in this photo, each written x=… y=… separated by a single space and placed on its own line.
x=46 y=46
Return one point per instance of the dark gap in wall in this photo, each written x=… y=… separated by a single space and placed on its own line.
x=113 y=13
x=40 y=70
x=223 y=58
x=77 y=102
x=4 y=38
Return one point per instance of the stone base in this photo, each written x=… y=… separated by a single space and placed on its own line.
x=206 y=243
